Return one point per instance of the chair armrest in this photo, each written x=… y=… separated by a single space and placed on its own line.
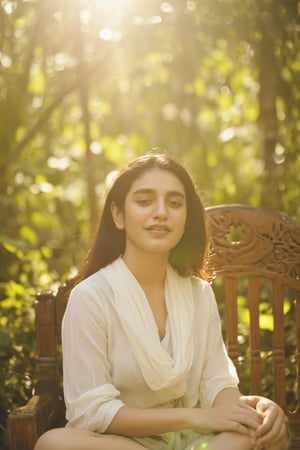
x=27 y=423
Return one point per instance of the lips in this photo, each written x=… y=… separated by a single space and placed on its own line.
x=158 y=228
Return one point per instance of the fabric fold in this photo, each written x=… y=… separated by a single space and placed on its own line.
x=100 y=404
x=159 y=368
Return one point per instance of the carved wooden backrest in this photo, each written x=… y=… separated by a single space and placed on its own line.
x=256 y=256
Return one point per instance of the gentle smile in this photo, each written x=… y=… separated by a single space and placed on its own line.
x=158 y=228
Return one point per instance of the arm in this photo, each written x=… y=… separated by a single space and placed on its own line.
x=228 y=413
x=90 y=397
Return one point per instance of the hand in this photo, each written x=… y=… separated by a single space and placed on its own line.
x=274 y=430
x=237 y=416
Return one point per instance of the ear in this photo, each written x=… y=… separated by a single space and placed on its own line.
x=118 y=216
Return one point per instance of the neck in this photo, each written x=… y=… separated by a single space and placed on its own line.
x=149 y=270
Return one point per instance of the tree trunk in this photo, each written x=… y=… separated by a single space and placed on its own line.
x=268 y=126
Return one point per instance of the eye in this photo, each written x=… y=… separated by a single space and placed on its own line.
x=143 y=201
x=175 y=203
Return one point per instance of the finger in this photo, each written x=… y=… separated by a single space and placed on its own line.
x=252 y=413
x=278 y=440
x=240 y=418
x=270 y=428
x=249 y=409
x=250 y=400
x=272 y=414
x=247 y=418
x=272 y=419
x=278 y=434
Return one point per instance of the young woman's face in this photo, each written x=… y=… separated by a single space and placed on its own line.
x=154 y=213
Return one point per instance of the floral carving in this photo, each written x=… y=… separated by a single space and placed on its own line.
x=246 y=238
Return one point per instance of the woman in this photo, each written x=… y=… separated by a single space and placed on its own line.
x=144 y=362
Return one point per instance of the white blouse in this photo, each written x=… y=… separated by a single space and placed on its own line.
x=101 y=373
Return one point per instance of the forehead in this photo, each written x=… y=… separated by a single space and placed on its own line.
x=157 y=179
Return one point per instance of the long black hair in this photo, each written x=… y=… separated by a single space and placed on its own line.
x=108 y=243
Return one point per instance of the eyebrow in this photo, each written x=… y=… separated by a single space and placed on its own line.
x=152 y=191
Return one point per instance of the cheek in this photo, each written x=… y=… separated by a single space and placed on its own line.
x=184 y=219
x=133 y=217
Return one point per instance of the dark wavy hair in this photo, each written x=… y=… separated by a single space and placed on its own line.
x=108 y=243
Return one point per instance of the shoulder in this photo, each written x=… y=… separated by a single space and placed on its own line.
x=91 y=292
x=202 y=286
x=204 y=295
x=93 y=283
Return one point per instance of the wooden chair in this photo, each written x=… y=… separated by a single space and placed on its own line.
x=256 y=255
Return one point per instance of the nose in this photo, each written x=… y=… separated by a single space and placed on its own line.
x=160 y=211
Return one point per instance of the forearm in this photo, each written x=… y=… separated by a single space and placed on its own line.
x=131 y=421
x=227 y=395
x=227 y=413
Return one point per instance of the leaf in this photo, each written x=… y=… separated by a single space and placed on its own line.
x=266 y=322
x=28 y=234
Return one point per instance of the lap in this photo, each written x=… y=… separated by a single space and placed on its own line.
x=77 y=439
x=178 y=440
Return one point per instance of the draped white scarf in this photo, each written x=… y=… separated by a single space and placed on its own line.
x=159 y=368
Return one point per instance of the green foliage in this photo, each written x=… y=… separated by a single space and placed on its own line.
x=16 y=329
x=87 y=85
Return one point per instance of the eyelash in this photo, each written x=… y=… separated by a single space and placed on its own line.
x=172 y=203
x=143 y=201
x=175 y=204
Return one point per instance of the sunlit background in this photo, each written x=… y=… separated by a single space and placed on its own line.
x=85 y=86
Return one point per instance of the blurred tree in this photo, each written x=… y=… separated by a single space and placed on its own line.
x=87 y=85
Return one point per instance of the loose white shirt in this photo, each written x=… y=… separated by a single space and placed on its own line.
x=101 y=373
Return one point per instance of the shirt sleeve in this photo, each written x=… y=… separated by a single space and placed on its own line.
x=90 y=397
x=219 y=371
